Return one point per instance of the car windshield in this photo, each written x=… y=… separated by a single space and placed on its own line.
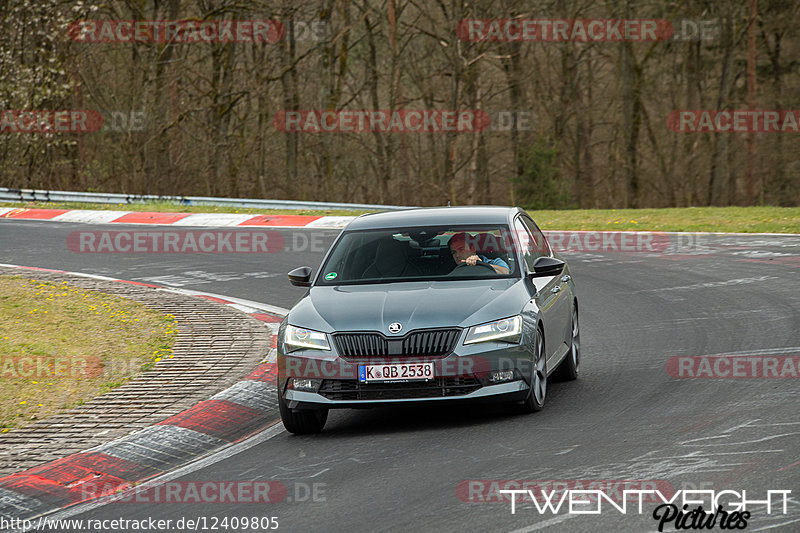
x=414 y=254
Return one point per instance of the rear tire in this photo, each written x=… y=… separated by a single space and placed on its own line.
x=301 y=421
x=568 y=369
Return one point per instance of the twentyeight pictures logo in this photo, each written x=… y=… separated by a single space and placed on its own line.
x=682 y=508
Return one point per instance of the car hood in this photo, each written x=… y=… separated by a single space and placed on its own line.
x=415 y=305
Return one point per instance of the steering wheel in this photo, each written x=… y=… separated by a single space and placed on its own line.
x=460 y=269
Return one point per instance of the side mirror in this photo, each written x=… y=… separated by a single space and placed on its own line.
x=300 y=277
x=547 y=266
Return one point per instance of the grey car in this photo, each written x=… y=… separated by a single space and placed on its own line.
x=396 y=314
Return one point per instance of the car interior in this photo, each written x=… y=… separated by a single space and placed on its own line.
x=407 y=255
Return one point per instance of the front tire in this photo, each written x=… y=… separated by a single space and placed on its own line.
x=301 y=421
x=538 y=389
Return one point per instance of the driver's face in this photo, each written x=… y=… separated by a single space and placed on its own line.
x=461 y=255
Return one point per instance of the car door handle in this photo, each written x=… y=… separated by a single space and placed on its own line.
x=565 y=278
x=556 y=289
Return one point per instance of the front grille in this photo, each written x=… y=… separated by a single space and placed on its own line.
x=361 y=344
x=349 y=390
x=428 y=342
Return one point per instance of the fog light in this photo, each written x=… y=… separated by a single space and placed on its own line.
x=500 y=376
x=304 y=384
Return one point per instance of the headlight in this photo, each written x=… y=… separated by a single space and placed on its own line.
x=296 y=338
x=505 y=330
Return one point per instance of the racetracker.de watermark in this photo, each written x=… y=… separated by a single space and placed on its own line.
x=177 y=31
x=177 y=241
x=564 y=30
x=55 y=367
x=51 y=368
x=361 y=121
x=71 y=121
x=203 y=492
x=587 y=30
x=734 y=367
x=50 y=121
x=609 y=241
x=381 y=121
x=464 y=366
x=498 y=490
x=737 y=121
x=184 y=492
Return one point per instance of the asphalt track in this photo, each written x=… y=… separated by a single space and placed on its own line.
x=625 y=418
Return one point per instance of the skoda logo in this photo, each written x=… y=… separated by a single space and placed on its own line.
x=395 y=327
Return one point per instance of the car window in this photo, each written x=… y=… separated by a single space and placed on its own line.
x=408 y=254
x=527 y=244
x=541 y=246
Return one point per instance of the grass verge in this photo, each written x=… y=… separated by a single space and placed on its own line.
x=722 y=219
x=62 y=345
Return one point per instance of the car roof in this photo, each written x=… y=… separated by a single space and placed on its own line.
x=434 y=216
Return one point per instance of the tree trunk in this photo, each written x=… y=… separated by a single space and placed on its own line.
x=291 y=102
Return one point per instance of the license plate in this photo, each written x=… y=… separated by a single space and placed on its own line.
x=395 y=372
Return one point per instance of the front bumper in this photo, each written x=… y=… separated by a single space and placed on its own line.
x=462 y=375
x=458 y=377
x=511 y=391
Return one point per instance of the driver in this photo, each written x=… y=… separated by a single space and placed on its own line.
x=464 y=252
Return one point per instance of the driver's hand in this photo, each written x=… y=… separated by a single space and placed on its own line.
x=472 y=260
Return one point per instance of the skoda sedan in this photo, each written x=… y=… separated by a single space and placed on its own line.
x=451 y=304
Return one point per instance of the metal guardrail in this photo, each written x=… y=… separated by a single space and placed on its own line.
x=35 y=195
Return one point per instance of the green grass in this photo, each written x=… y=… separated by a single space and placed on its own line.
x=722 y=219
x=61 y=346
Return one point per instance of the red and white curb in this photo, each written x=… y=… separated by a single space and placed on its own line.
x=228 y=417
x=89 y=216
x=220 y=220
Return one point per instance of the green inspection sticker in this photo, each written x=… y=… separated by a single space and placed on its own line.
x=330 y=275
